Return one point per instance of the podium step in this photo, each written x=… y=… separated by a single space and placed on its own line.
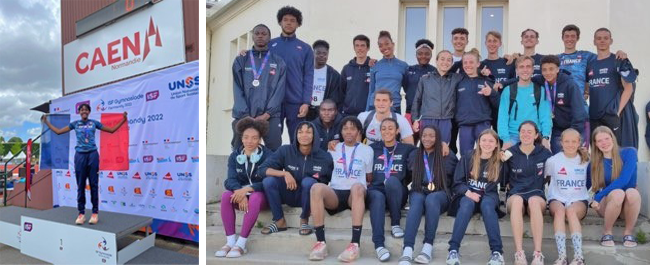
x=159 y=256
x=53 y=236
x=591 y=224
x=110 y=222
x=290 y=248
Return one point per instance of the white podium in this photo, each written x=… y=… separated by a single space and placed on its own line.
x=10 y=229
x=53 y=237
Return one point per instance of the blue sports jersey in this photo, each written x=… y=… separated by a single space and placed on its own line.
x=85 y=131
x=605 y=87
x=499 y=69
x=576 y=64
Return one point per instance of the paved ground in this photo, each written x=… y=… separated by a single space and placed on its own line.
x=11 y=256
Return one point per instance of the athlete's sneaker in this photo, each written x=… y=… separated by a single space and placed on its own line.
x=350 y=253
x=538 y=258
x=94 y=218
x=81 y=219
x=578 y=261
x=453 y=258
x=319 y=251
x=561 y=261
x=496 y=259
x=520 y=258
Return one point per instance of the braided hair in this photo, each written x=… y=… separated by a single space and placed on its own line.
x=440 y=180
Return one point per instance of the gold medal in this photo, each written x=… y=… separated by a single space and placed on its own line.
x=431 y=186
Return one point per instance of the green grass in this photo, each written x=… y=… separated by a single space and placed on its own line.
x=641 y=237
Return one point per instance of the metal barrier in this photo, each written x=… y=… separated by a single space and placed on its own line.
x=5 y=173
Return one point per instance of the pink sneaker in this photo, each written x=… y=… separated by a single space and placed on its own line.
x=80 y=219
x=520 y=258
x=94 y=219
x=350 y=253
x=319 y=251
x=538 y=258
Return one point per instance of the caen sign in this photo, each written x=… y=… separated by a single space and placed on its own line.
x=118 y=53
x=147 y=39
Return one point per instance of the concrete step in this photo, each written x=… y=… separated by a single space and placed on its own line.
x=591 y=225
x=290 y=248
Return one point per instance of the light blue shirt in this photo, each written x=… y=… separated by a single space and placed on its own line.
x=387 y=73
x=525 y=110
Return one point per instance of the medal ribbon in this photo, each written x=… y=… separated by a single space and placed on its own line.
x=349 y=168
x=388 y=164
x=548 y=95
x=256 y=74
x=430 y=175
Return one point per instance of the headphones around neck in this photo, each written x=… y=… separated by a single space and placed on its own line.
x=255 y=156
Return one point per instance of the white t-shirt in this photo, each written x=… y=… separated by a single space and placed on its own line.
x=320 y=83
x=373 y=132
x=362 y=165
x=568 y=179
x=456 y=58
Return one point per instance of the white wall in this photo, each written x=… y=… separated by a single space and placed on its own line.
x=629 y=26
x=338 y=21
x=334 y=21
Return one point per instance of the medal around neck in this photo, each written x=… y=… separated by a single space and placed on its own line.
x=431 y=187
x=258 y=73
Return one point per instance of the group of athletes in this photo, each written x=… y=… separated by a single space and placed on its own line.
x=554 y=132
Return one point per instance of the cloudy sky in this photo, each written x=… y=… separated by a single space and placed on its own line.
x=30 y=63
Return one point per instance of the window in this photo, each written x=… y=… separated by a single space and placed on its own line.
x=415 y=29
x=243 y=42
x=491 y=20
x=452 y=17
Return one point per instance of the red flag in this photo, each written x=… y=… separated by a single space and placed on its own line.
x=28 y=166
x=114 y=147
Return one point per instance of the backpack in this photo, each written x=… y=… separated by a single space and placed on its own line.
x=537 y=91
x=368 y=120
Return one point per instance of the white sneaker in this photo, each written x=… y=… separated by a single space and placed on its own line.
x=453 y=258
x=496 y=259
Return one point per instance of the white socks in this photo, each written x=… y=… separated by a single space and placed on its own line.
x=241 y=242
x=427 y=248
x=560 y=241
x=230 y=240
x=576 y=238
x=408 y=252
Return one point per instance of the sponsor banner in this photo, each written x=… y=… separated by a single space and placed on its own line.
x=162 y=178
x=148 y=39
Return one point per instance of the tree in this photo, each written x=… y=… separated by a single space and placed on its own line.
x=15 y=140
x=2 y=139
x=2 y=150
x=16 y=148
